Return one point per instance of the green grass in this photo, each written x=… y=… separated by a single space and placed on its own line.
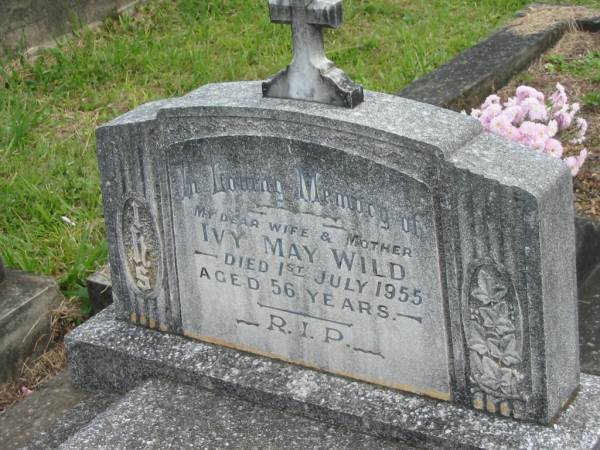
x=591 y=100
x=50 y=108
x=587 y=66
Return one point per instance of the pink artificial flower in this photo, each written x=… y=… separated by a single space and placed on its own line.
x=559 y=99
x=553 y=147
x=525 y=92
x=516 y=114
x=25 y=391
x=565 y=116
x=571 y=161
x=552 y=128
x=528 y=120
x=491 y=100
x=488 y=114
x=583 y=156
x=582 y=126
x=502 y=125
x=535 y=109
x=576 y=162
x=535 y=135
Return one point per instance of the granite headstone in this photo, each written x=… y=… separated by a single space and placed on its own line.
x=389 y=241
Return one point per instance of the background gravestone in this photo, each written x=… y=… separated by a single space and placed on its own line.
x=29 y=23
x=26 y=302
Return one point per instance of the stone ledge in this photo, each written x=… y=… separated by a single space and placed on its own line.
x=110 y=354
x=466 y=80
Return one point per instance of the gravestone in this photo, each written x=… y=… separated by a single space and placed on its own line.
x=387 y=241
x=26 y=303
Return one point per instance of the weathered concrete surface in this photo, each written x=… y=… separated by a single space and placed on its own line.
x=103 y=344
x=29 y=23
x=26 y=301
x=50 y=415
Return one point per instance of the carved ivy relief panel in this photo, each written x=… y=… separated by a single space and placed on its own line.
x=495 y=341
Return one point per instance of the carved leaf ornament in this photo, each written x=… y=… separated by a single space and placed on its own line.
x=494 y=351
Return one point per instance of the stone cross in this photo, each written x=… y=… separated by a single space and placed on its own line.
x=311 y=76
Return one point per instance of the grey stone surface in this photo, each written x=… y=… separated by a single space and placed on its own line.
x=99 y=289
x=50 y=415
x=311 y=76
x=30 y=23
x=164 y=415
x=26 y=301
x=109 y=353
x=466 y=239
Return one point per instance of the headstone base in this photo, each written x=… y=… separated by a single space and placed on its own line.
x=26 y=301
x=103 y=344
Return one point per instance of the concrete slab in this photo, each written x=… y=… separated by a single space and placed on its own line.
x=51 y=414
x=165 y=415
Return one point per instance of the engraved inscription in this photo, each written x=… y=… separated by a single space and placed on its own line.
x=308 y=254
x=140 y=246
